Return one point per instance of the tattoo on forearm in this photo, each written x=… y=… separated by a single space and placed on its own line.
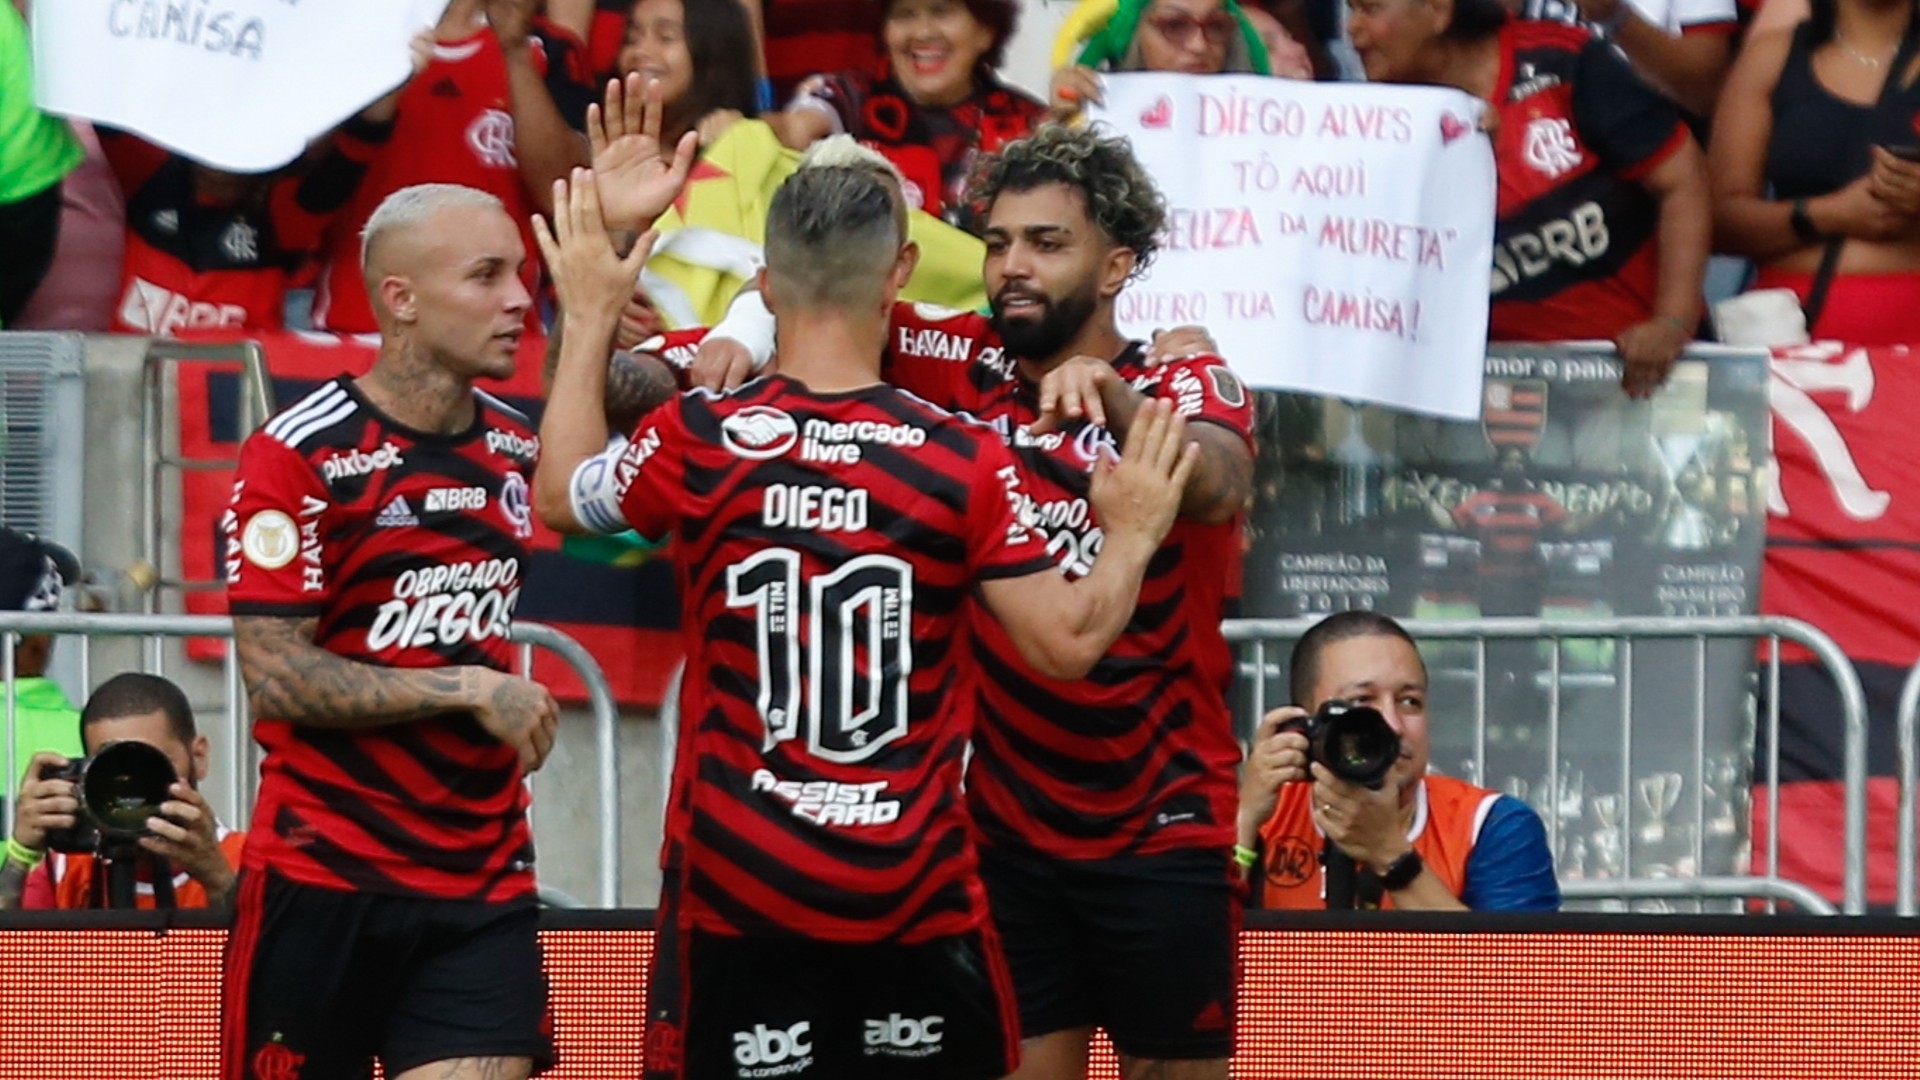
x=290 y=678
x=637 y=383
x=13 y=882
x=1222 y=479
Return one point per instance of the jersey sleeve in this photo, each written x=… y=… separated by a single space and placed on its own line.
x=934 y=352
x=677 y=349
x=1001 y=541
x=1704 y=16
x=1204 y=389
x=1511 y=867
x=649 y=476
x=839 y=98
x=566 y=76
x=275 y=531
x=1629 y=124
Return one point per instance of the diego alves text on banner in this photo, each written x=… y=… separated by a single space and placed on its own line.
x=241 y=85
x=1334 y=238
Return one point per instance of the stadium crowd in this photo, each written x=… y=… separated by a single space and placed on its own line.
x=510 y=188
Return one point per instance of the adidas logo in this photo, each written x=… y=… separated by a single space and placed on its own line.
x=445 y=88
x=396 y=515
x=1211 y=1018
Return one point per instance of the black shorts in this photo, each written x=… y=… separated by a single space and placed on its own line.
x=1143 y=946
x=731 y=1008
x=321 y=982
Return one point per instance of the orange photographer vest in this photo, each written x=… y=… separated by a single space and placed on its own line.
x=1447 y=817
x=73 y=880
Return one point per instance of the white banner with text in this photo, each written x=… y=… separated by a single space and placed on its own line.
x=1334 y=238
x=242 y=85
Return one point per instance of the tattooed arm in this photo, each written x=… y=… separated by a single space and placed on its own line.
x=290 y=678
x=13 y=882
x=637 y=382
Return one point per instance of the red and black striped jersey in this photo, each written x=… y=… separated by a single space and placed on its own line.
x=829 y=545
x=1575 y=251
x=409 y=548
x=456 y=126
x=1138 y=756
x=191 y=265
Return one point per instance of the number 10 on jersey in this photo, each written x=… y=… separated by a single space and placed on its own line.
x=852 y=635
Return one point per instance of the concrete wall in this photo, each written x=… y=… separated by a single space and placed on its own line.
x=566 y=810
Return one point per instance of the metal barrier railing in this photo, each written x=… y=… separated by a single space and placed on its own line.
x=162 y=459
x=1259 y=635
x=1907 y=766
x=233 y=737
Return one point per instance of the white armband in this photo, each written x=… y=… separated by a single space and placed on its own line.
x=594 y=493
x=750 y=323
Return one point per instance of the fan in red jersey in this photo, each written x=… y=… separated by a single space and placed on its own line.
x=491 y=111
x=1603 y=219
x=375 y=547
x=1105 y=804
x=212 y=250
x=823 y=916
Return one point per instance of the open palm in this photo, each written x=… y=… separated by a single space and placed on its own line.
x=636 y=180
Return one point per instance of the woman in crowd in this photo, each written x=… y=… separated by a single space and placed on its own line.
x=1602 y=220
x=694 y=50
x=1814 y=151
x=937 y=104
x=1194 y=37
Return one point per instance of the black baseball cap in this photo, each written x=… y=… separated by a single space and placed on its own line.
x=33 y=571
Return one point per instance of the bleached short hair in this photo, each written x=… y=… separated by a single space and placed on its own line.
x=412 y=205
x=846 y=152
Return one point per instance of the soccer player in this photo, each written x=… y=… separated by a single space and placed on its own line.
x=822 y=916
x=375 y=548
x=1106 y=804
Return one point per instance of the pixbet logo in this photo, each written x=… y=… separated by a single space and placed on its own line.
x=361 y=463
x=766 y=1051
x=513 y=444
x=903 y=1036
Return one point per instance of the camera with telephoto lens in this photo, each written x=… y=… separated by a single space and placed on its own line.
x=119 y=788
x=1354 y=742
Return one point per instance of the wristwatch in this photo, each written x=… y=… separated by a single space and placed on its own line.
x=1402 y=871
x=1802 y=221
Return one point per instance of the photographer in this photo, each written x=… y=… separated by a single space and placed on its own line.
x=1418 y=842
x=185 y=842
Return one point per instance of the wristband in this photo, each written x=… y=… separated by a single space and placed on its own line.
x=750 y=323
x=1677 y=323
x=22 y=854
x=1245 y=857
x=1402 y=872
x=1802 y=221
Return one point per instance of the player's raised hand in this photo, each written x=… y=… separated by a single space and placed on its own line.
x=636 y=177
x=1138 y=494
x=589 y=275
x=518 y=712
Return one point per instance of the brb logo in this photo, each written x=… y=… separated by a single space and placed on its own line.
x=904 y=1037
x=766 y=1052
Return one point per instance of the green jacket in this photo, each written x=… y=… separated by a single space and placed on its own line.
x=43 y=720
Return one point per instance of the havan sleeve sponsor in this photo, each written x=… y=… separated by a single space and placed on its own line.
x=275 y=531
